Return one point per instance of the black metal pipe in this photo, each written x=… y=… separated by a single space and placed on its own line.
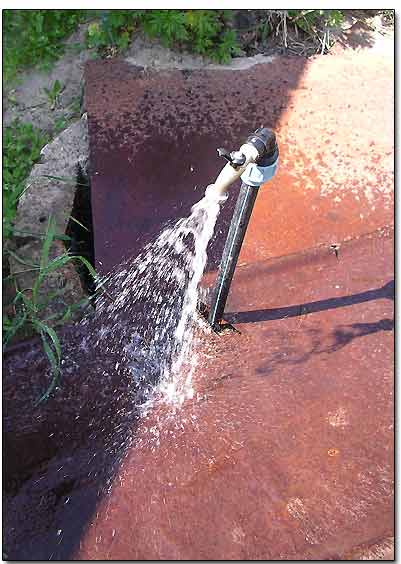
x=239 y=223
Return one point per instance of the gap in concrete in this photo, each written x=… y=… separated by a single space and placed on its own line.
x=82 y=243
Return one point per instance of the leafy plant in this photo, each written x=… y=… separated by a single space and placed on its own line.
x=35 y=37
x=168 y=25
x=22 y=143
x=114 y=30
x=200 y=31
x=30 y=304
x=53 y=93
x=227 y=47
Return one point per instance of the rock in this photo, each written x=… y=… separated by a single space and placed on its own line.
x=29 y=101
x=45 y=196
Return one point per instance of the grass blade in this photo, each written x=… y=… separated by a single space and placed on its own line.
x=69 y=179
x=42 y=236
x=88 y=265
x=54 y=364
x=54 y=339
x=79 y=223
x=49 y=237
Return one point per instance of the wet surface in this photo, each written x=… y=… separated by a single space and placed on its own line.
x=60 y=455
x=286 y=451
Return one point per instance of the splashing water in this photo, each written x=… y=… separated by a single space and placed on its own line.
x=146 y=315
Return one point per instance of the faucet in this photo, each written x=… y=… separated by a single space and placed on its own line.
x=255 y=163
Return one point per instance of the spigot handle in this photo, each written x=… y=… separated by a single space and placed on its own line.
x=235 y=158
x=225 y=154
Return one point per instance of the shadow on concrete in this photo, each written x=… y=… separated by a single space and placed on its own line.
x=347 y=333
x=358 y=36
x=60 y=457
x=386 y=291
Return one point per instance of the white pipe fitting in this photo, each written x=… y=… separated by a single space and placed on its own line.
x=229 y=174
x=255 y=175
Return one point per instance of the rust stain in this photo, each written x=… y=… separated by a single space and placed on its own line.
x=154 y=136
x=244 y=470
x=277 y=385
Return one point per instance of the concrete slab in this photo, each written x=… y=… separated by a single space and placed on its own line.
x=271 y=461
x=286 y=451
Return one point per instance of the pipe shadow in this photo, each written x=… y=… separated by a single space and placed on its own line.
x=386 y=291
x=342 y=336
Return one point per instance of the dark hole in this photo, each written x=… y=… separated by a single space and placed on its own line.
x=42 y=218
x=81 y=243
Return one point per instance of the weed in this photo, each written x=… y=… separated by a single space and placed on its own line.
x=205 y=32
x=114 y=30
x=22 y=143
x=168 y=25
x=35 y=37
x=53 y=93
x=30 y=305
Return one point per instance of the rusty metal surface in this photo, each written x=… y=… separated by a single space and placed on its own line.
x=59 y=455
x=287 y=450
x=154 y=135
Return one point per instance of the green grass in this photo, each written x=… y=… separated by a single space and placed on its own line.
x=22 y=143
x=30 y=305
x=35 y=37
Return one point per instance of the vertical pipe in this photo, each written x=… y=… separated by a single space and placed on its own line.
x=239 y=223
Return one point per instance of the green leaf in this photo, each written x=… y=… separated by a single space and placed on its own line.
x=49 y=238
x=13 y=327
x=88 y=265
x=55 y=368
x=53 y=337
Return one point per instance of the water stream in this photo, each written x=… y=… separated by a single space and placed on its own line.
x=146 y=315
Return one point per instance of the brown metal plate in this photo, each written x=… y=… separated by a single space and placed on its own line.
x=154 y=135
x=287 y=451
